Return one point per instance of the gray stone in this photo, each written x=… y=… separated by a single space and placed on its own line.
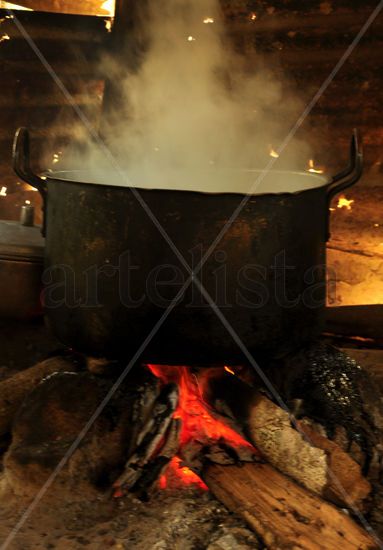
x=52 y=417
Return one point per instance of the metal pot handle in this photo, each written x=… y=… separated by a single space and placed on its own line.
x=352 y=173
x=21 y=162
x=348 y=177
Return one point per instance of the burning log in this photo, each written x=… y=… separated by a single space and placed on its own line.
x=308 y=457
x=14 y=390
x=283 y=514
x=335 y=447
x=155 y=429
x=152 y=471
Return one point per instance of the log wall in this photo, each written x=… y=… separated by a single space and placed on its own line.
x=29 y=97
x=300 y=40
x=304 y=41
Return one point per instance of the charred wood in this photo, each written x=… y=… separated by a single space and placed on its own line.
x=152 y=470
x=311 y=459
x=149 y=438
x=291 y=446
x=282 y=513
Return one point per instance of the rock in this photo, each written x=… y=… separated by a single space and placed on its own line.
x=52 y=417
x=234 y=539
x=14 y=388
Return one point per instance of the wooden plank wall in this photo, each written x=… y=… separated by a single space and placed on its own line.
x=304 y=40
x=300 y=39
x=29 y=97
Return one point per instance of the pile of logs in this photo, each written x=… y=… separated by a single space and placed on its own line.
x=292 y=488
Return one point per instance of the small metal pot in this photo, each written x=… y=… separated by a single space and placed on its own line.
x=21 y=267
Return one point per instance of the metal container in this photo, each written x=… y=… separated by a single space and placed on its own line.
x=111 y=274
x=21 y=267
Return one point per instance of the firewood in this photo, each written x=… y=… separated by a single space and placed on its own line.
x=13 y=390
x=311 y=459
x=152 y=471
x=150 y=438
x=294 y=448
x=282 y=513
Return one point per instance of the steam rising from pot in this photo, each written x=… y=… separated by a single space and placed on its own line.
x=194 y=105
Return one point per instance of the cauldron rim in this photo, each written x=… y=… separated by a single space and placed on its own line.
x=68 y=177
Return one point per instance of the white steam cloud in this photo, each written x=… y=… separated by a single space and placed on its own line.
x=194 y=112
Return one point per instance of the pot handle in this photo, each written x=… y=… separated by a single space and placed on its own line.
x=352 y=173
x=21 y=162
x=347 y=177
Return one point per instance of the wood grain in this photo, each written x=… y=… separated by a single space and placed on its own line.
x=283 y=514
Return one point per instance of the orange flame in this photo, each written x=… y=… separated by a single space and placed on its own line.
x=197 y=422
x=183 y=474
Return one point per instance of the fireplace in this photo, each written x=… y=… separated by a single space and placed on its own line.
x=285 y=436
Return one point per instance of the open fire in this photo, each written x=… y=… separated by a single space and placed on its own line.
x=287 y=456
x=198 y=422
x=272 y=488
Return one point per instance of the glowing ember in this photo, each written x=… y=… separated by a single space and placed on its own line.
x=208 y=20
x=345 y=203
x=27 y=202
x=183 y=474
x=191 y=38
x=198 y=424
x=4 y=37
x=3 y=192
x=228 y=369
x=253 y=16
x=312 y=168
x=273 y=153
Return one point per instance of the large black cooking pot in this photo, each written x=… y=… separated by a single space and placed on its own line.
x=111 y=275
